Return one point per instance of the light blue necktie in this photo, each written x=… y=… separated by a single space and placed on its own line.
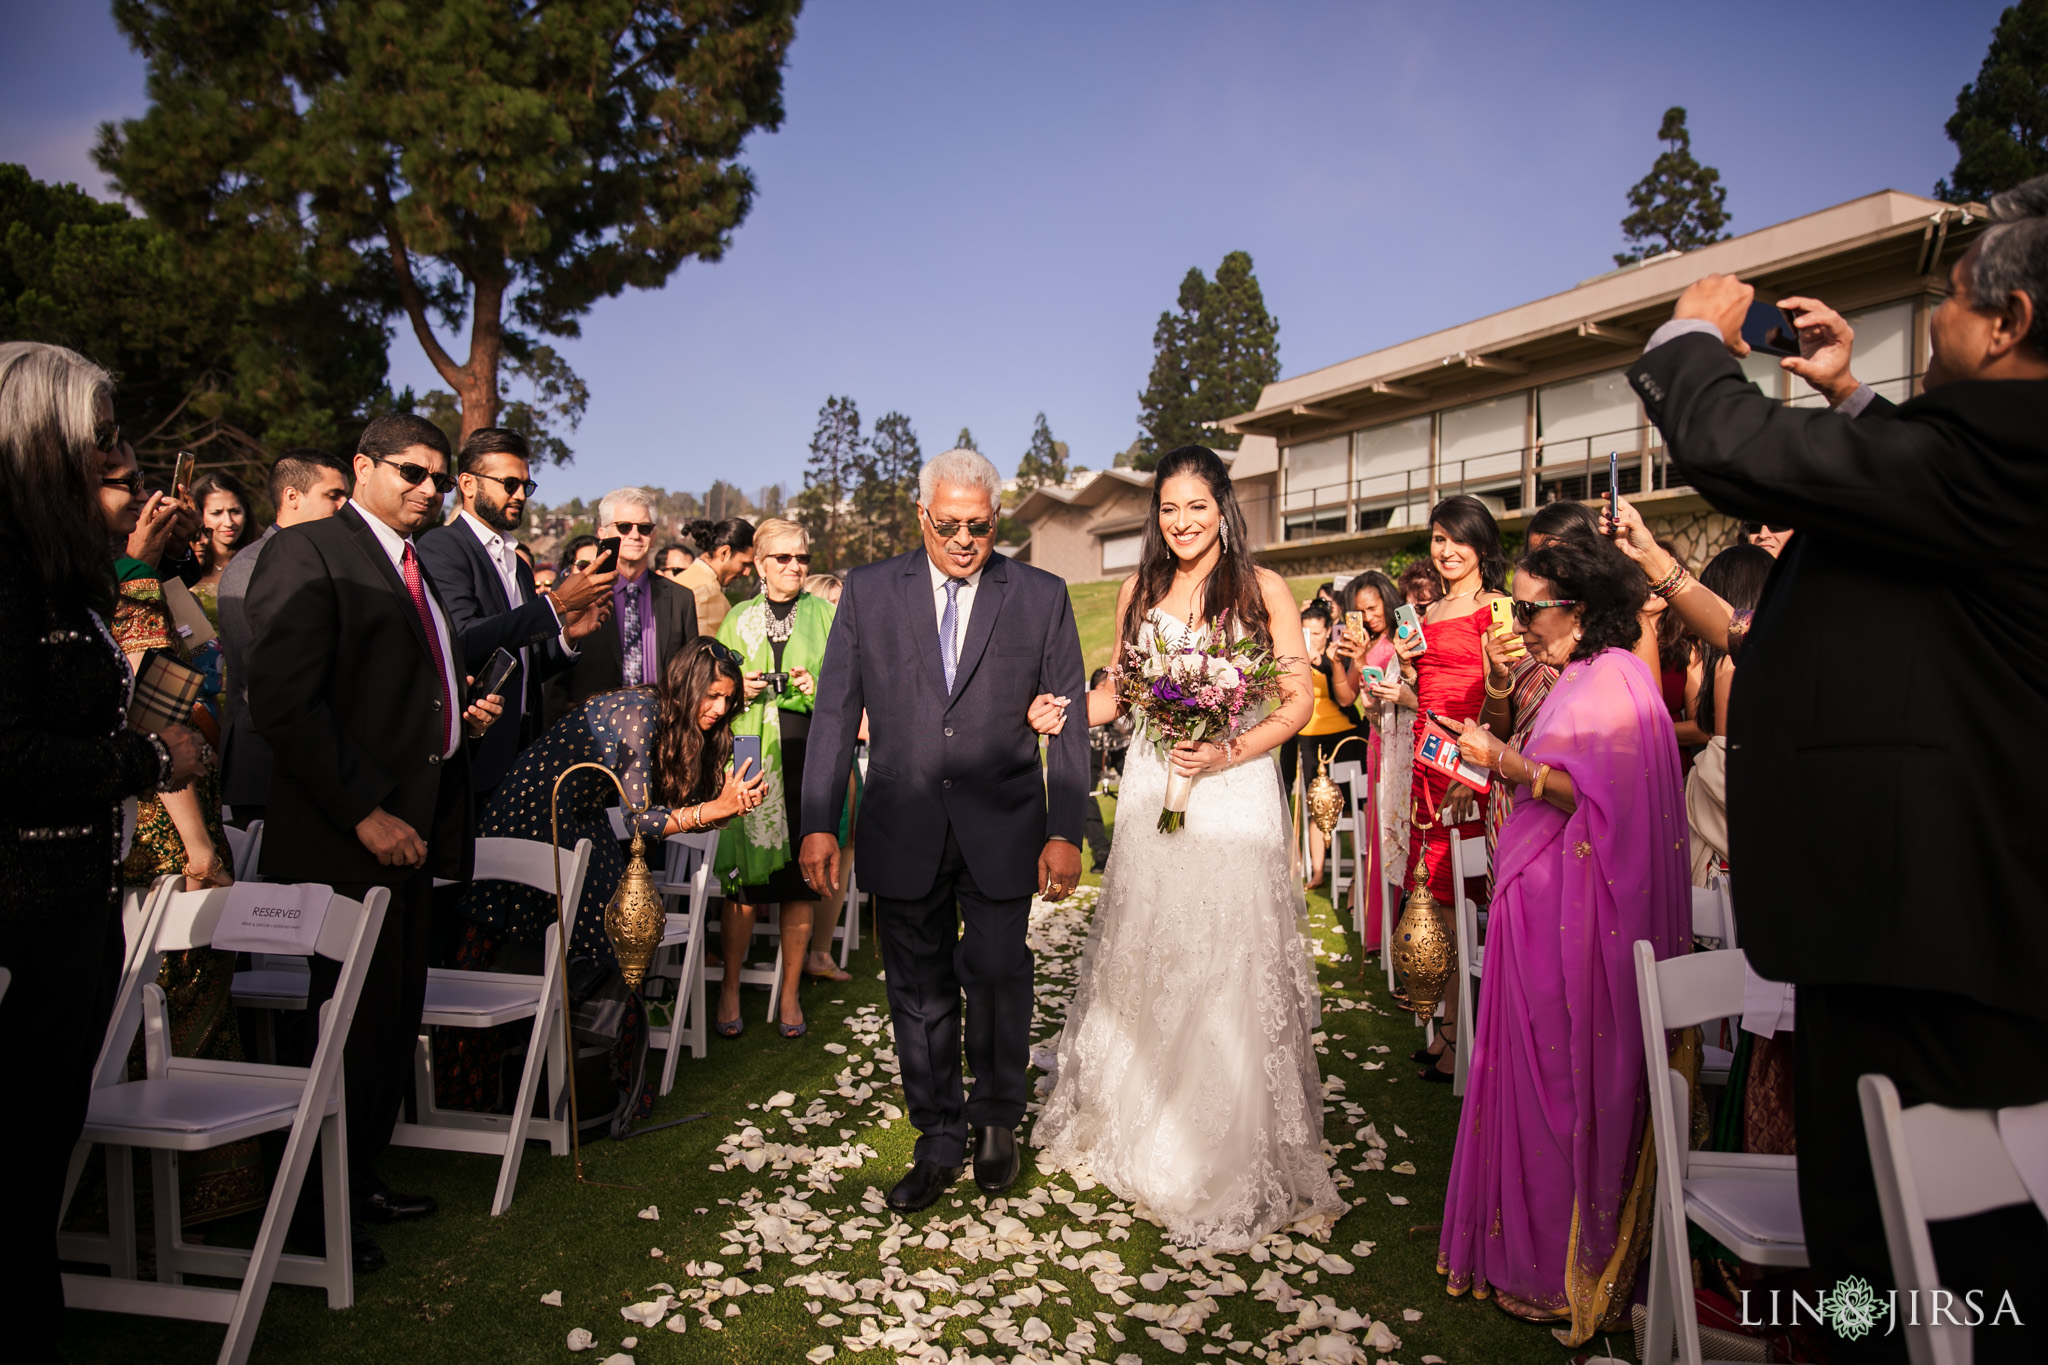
x=949 y=630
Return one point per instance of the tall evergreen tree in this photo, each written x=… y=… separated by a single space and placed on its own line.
x=885 y=500
x=1679 y=205
x=507 y=165
x=1210 y=360
x=829 y=477
x=965 y=440
x=1045 y=460
x=2000 y=126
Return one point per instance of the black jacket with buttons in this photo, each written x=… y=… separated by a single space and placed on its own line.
x=342 y=685
x=1890 y=706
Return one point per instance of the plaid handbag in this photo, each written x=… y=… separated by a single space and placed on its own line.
x=165 y=690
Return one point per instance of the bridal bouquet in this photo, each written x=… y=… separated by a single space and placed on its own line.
x=1199 y=690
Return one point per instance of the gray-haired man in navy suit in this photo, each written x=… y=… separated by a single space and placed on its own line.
x=944 y=649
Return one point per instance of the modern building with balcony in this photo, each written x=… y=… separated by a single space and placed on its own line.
x=1338 y=467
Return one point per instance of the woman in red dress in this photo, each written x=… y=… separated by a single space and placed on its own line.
x=1445 y=672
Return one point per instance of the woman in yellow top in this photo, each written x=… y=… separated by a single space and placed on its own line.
x=1332 y=719
x=725 y=550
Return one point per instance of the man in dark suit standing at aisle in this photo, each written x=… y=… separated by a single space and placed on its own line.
x=1884 y=818
x=356 y=682
x=491 y=598
x=651 y=617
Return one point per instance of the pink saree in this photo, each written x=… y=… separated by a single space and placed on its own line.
x=1551 y=1180
x=1372 y=884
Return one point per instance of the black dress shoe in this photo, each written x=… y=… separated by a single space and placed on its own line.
x=389 y=1206
x=995 y=1159
x=922 y=1187
x=366 y=1254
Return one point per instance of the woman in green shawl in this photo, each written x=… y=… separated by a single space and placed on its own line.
x=780 y=635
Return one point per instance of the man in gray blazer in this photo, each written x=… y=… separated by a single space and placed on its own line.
x=944 y=649
x=305 y=485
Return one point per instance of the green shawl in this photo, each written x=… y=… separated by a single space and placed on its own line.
x=751 y=849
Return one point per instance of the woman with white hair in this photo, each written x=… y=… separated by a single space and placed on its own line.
x=780 y=637
x=74 y=771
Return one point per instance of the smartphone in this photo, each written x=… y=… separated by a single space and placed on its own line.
x=607 y=555
x=498 y=671
x=1368 y=675
x=1408 y=624
x=1503 y=610
x=1771 y=330
x=1614 y=487
x=745 y=748
x=182 y=472
x=1354 y=625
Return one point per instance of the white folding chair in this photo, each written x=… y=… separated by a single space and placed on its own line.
x=848 y=930
x=475 y=1000
x=685 y=885
x=1749 y=1203
x=245 y=847
x=1932 y=1163
x=191 y=1105
x=1345 y=774
x=1356 y=797
x=1714 y=919
x=1468 y=859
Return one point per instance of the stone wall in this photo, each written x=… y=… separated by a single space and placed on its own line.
x=1699 y=536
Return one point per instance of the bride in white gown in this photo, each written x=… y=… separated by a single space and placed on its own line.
x=1186 y=1081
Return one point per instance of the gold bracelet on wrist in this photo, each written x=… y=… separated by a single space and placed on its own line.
x=1542 y=776
x=1504 y=693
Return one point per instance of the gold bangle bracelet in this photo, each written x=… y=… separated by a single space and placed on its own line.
x=1502 y=695
x=1542 y=776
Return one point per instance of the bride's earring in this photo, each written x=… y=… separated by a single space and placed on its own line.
x=1223 y=533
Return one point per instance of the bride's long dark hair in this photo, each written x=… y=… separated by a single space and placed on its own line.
x=1234 y=584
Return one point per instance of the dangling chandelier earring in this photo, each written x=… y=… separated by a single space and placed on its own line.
x=1223 y=534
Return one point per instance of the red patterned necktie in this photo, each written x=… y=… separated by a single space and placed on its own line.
x=418 y=590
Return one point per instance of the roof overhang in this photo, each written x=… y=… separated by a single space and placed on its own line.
x=1611 y=315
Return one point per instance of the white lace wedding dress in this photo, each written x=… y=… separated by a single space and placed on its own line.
x=1185 y=1079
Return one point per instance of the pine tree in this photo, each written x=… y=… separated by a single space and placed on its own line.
x=837 y=451
x=965 y=440
x=885 y=500
x=506 y=165
x=1210 y=360
x=1679 y=205
x=1044 y=462
x=2000 y=126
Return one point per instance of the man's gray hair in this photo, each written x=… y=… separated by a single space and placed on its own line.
x=963 y=468
x=2012 y=256
x=609 y=505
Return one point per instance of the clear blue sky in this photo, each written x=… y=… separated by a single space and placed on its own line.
x=977 y=212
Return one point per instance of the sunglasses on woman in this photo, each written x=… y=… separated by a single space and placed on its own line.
x=1525 y=612
x=132 y=481
x=786 y=559
x=417 y=474
x=107 y=437
x=727 y=654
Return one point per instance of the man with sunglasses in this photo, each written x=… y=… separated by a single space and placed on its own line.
x=357 y=683
x=651 y=618
x=943 y=649
x=493 y=602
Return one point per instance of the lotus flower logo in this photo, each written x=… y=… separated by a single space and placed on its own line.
x=1853 y=1308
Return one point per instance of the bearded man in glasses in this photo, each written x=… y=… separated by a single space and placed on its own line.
x=356 y=681
x=651 y=618
x=493 y=602
x=944 y=649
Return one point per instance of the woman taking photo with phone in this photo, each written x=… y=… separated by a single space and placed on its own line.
x=1374 y=600
x=780 y=636
x=1328 y=724
x=1443 y=670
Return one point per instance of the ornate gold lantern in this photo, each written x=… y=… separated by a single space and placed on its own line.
x=1325 y=800
x=635 y=918
x=1423 y=953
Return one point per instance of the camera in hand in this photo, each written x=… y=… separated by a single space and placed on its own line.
x=778 y=683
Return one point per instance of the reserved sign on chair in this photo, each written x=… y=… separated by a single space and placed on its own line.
x=270 y=917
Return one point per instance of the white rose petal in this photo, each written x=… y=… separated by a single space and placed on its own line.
x=781 y=1099
x=580 y=1340
x=1411 y=1315
x=652 y=1213
x=553 y=1298
x=818 y=1355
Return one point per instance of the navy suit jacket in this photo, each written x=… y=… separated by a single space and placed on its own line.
x=483 y=621
x=969 y=760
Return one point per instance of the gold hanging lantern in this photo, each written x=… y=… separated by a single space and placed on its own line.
x=1325 y=800
x=1424 y=954
x=634 y=920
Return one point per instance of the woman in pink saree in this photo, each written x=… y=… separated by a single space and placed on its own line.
x=1551 y=1181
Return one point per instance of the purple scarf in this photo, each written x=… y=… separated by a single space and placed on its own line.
x=1548 y=1143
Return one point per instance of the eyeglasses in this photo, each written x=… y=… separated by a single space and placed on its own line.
x=725 y=653
x=583 y=563
x=132 y=481
x=948 y=529
x=785 y=560
x=417 y=474
x=107 y=437
x=634 y=528
x=1526 y=611
x=514 y=488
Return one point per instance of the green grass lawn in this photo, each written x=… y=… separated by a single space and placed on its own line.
x=1095 y=614
x=463 y=1286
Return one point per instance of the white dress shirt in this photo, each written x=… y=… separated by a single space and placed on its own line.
x=964 y=606
x=501 y=553
x=394 y=545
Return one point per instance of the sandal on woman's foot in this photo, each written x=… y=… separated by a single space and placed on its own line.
x=729 y=1028
x=793 y=1030
x=1428 y=1058
x=1431 y=1074
x=831 y=973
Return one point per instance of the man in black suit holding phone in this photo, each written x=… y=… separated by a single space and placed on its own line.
x=491 y=598
x=356 y=682
x=1882 y=809
x=651 y=617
